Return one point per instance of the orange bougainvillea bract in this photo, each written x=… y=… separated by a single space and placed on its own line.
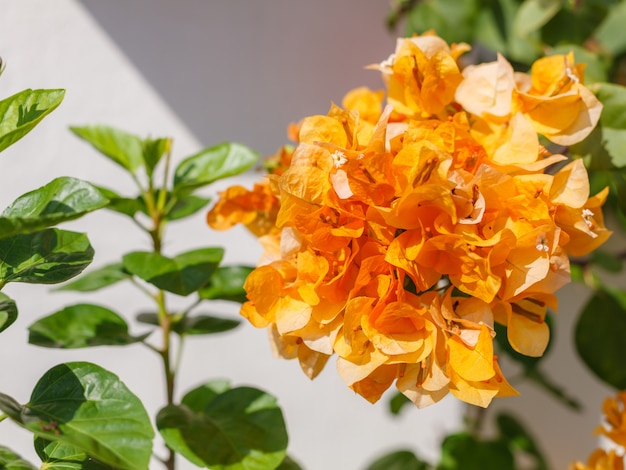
x=398 y=232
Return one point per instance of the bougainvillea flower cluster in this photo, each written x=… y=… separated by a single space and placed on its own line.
x=398 y=232
x=614 y=429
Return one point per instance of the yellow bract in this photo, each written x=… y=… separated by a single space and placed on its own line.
x=401 y=232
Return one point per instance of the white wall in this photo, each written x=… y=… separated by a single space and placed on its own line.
x=203 y=72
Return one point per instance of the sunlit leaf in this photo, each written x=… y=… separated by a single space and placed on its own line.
x=98 y=278
x=182 y=275
x=610 y=33
x=87 y=407
x=57 y=455
x=20 y=113
x=124 y=205
x=227 y=284
x=60 y=200
x=239 y=429
x=533 y=14
x=199 y=397
x=153 y=151
x=212 y=164
x=187 y=205
x=81 y=326
x=123 y=148
x=46 y=257
x=204 y=325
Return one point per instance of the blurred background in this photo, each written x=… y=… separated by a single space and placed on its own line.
x=204 y=72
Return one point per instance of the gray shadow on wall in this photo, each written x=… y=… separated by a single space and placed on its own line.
x=242 y=70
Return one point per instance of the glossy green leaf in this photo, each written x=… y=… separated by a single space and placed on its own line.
x=57 y=455
x=88 y=407
x=198 y=398
x=123 y=205
x=212 y=164
x=193 y=325
x=227 y=284
x=8 y=311
x=611 y=32
x=20 y=113
x=153 y=151
x=398 y=460
x=98 y=278
x=60 y=200
x=465 y=452
x=182 y=275
x=240 y=429
x=46 y=257
x=187 y=205
x=518 y=437
x=204 y=325
x=599 y=336
x=123 y=148
x=533 y=14
x=10 y=460
x=81 y=326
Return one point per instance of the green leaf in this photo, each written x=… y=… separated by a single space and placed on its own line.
x=123 y=205
x=153 y=151
x=599 y=336
x=397 y=403
x=46 y=257
x=193 y=325
x=239 y=429
x=88 y=407
x=9 y=460
x=204 y=325
x=182 y=275
x=464 y=452
x=198 y=398
x=212 y=164
x=227 y=284
x=123 y=148
x=398 y=460
x=186 y=206
x=8 y=311
x=518 y=438
x=610 y=33
x=289 y=464
x=57 y=455
x=81 y=326
x=60 y=200
x=98 y=278
x=20 y=113
x=533 y=14
x=453 y=20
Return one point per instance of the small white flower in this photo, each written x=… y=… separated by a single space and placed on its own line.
x=542 y=243
x=339 y=158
